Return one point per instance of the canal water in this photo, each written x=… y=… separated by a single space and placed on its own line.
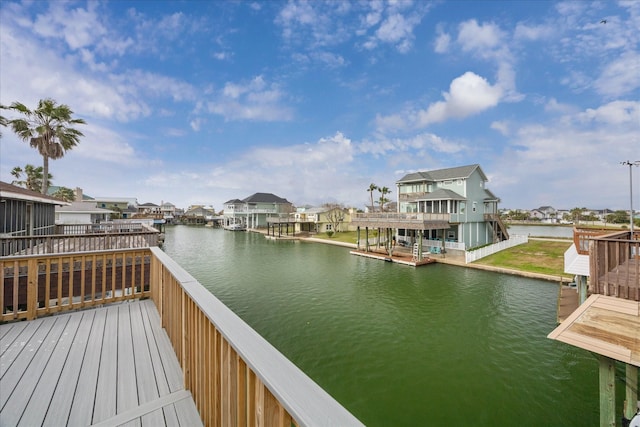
x=438 y=345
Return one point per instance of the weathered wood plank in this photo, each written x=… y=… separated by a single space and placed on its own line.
x=127 y=393
x=82 y=406
x=105 y=401
x=21 y=355
x=60 y=407
x=172 y=369
x=43 y=393
x=15 y=405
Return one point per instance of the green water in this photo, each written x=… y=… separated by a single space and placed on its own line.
x=401 y=346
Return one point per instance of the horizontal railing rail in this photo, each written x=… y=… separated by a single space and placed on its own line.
x=235 y=376
x=582 y=237
x=614 y=264
x=399 y=217
x=38 y=285
x=86 y=241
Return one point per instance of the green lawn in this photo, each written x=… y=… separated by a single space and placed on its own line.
x=537 y=256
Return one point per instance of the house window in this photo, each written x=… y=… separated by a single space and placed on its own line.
x=328 y=227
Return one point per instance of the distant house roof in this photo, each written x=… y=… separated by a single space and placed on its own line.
x=264 y=198
x=233 y=202
x=11 y=191
x=83 y=207
x=148 y=205
x=444 y=174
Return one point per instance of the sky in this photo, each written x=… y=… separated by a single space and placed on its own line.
x=200 y=102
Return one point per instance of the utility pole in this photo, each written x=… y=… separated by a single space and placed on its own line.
x=631 y=165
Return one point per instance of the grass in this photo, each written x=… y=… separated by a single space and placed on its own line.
x=537 y=256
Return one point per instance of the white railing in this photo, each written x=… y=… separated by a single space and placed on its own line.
x=458 y=246
x=515 y=240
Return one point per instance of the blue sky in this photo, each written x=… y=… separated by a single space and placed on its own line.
x=198 y=102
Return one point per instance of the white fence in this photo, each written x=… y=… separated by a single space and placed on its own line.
x=514 y=240
x=458 y=246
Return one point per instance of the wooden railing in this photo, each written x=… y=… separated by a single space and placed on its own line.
x=614 y=262
x=235 y=376
x=78 y=238
x=39 y=285
x=582 y=237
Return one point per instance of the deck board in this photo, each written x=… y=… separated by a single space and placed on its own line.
x=106 y=365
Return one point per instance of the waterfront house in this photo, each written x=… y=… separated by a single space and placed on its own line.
x=459 y=199
x=125 y=206
x=26 y=213
x=322 y=219
x=81 y=213
x=255 y=211
x=198 y=215
x=149 y=209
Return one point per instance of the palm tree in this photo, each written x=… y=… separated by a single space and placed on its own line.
x=383 y=191
x=33 y=177
x=371 y=189
x=49 y=129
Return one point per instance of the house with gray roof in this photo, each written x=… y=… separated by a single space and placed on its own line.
x=82 y=213
x=458 y=194
x=253 y=211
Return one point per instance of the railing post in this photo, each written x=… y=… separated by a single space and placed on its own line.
x=32 y=288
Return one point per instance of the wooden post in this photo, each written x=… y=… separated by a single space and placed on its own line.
x=607 y=367
x=358 y=238
x=631 y=392
x=32 y=288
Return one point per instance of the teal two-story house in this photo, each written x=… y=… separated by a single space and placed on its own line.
x=459 y=197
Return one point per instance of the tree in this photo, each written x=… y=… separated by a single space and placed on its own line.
x=576 y=214
x=383 y=192
x=371 y=189
x=3 y=120
x=64 y=193
x=33 y=177
x=49 y=129
x=335 y=215
x=618 y=217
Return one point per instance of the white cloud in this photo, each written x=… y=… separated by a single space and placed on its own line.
x=621 y=76
x=474 y=37
x=614 y=113
x=253 y=100
x=468 y=94
x=442 y=42
x=532 y=32
x=501 y=126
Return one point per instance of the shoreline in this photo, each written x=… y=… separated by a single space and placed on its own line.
x=447 y=259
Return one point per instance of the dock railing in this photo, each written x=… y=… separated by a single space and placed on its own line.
x=614 y=263
x=235 y=376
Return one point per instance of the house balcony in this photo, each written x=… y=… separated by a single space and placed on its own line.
x=413 y=221
x=113 y=336
x=614 y=265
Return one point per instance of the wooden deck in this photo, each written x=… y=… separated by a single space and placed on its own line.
x=107 y=366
